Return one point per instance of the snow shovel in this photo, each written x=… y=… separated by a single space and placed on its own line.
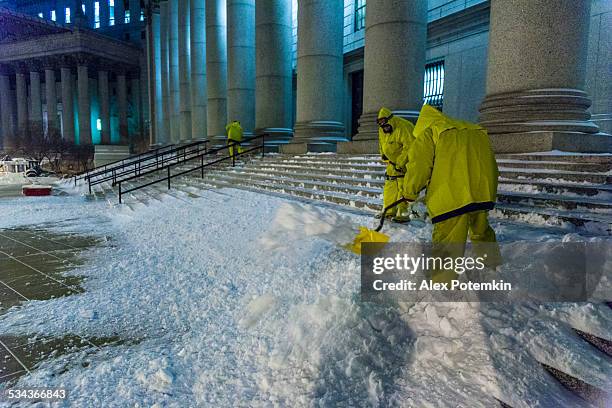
x=367 y=235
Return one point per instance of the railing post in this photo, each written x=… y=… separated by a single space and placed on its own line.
x=114 y=177
x=233 y=153
x=119 y=192
x=89 y=182
x=263 y=145
x=202 y=165
x=168 y=178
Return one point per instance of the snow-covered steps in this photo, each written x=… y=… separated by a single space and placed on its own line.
x=556 y=189
x=567 y=192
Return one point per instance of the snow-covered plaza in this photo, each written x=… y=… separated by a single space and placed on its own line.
x=209 y=301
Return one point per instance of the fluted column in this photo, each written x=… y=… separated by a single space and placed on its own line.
x=35 y=105
x=135 y=102
x=273 y=89
x=535 y=77
x=273 y=69
x=6 y=109
x=164 y=128
x=21 y=94
x=184 y=70
x=122 y=107
x=393 y=76
x=51 y=96
x=320 y=102
x=67 y=104
x=241 y=63
x=173 y=54
x=197 y=24
x=216 y=68
x=155 y=78
x=104 y=13
x=104 y=100
x=84 y=105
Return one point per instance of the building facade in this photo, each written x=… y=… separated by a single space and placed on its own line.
x=314 y=73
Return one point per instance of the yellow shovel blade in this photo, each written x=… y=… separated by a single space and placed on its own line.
x=366 y=235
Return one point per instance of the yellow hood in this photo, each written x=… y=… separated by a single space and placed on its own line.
x=430 y=117
x=384 y=113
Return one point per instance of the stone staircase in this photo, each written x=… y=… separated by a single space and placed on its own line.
x=553 y=189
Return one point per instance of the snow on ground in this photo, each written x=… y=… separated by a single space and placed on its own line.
x=232 y=308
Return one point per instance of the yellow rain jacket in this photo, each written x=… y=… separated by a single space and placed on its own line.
x=394 y=147
x=454 y=160
x=234 y=131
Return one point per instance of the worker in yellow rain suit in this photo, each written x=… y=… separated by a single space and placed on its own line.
x=454 y=161
x=234 y=135
x=394 y=140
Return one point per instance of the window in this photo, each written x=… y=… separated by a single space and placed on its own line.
x=40 y=15
x=142 y=35
x=127 y=17
x=67 y=15
x=83 y=7
x=99 y=124
x=53 y=16
x=97 y=14
x=434 y=84
x=111 y=12
x=360 y=13
x=141 y=15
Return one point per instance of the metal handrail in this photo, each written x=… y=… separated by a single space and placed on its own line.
x=133 y=162
x=156 y=162
x=102 y=168
x=201 y=167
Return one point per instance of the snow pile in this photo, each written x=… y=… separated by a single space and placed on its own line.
x=13 y=179
x=294 y=221
x=212 y=318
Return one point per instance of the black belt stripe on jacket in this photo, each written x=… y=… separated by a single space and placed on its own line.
x=487 y=205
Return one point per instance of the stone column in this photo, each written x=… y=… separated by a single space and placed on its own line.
x=241 y=63
x=21 y=94
x=216 y=68
x=135 y=102
x=51 y=96
x=84 y=105
x=6 y=109
x=122 y=107
x=104 y=13
x=173 y=54
x=35 y=105
x=273 y=87
x=119 y=12
x=67 y=104
x=535 y=77
x=155 y=94
x=184 y=70
x=599 y=64
x=164 y=128
x=104 y=98
x=393 y=76
x=320 y=106
x=134 y=11
x=197 y=15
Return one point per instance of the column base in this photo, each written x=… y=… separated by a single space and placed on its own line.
x=542 y=141
x=319 y=132
x=368 y=129
x=541 y=120
x=276 y=136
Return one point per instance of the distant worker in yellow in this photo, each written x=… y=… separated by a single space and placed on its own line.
x=453 y=159
x=394 y=140
x=234 y=136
